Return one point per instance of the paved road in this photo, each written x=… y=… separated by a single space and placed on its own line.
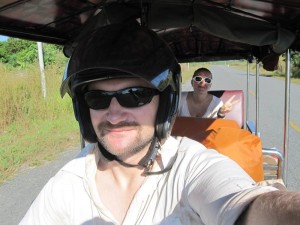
x=17 y=194
x=271 y=119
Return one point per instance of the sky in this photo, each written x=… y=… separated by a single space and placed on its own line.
x=3 y=38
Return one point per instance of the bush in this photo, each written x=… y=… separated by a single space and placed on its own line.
x=295 y=68
x=18 y=53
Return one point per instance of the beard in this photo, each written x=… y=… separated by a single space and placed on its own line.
x=136 y=145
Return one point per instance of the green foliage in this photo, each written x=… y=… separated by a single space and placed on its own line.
x=33 y=128
x=18 y=53
x=295 y=69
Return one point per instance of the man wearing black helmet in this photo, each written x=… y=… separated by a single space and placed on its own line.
x=125 y=85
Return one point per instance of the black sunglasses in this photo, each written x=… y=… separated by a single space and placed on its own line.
x=199 y=79
x=128 y=97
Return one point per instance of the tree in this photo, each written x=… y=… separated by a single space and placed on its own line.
x=295 y=64
x=19 y=53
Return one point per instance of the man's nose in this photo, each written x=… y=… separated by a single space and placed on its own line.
x=202 y=83
x=115 y=112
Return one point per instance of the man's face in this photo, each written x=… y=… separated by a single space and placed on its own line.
x=124 y=131
x=202 y=86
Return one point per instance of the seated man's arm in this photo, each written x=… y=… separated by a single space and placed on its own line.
x=276 y=207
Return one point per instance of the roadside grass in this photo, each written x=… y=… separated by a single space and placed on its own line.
x=279 y=73
x=33 y=129
x=189 y=68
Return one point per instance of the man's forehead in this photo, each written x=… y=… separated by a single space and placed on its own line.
x=203 y=73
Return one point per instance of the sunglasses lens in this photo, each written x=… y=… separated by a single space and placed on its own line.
x=198 y=79
x=207 y=80
x=135 y=97
x=97 y=99
x=129 y=97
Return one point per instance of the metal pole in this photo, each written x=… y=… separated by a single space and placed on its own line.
x=41 y=63
x=257 y=100
x=247 y=92
x=286 y=114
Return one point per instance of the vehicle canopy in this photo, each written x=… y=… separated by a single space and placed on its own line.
x=196 y=30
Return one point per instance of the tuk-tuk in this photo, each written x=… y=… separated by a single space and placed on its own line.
x=196 y=31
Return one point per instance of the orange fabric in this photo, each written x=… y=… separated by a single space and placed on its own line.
x=226 y=137
x=241 y=146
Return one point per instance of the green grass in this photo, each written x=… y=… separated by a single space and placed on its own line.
x=33 y=129
x=279 y=73
x=188 y=69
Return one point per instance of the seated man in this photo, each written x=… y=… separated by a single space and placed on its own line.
x=201 y=103
x=125 y=82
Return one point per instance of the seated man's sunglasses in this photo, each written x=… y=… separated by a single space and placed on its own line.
x=199 y=79
x=128 y=97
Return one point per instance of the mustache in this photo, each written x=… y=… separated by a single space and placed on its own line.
x=108 y=125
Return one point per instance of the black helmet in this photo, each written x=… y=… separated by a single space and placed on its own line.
x=118 y=51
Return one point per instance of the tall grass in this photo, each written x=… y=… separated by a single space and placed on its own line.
x=242 y=65
x=33 y=128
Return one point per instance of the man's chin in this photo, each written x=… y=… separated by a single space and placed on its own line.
x=117 y=147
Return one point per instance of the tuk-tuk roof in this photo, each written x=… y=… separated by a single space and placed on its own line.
x=199 y=30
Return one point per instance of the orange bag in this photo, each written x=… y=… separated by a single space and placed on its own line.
x=239 y=145
x=226 y=137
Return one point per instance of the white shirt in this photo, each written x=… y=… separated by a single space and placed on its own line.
x=211 y=111
x=203 y=187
